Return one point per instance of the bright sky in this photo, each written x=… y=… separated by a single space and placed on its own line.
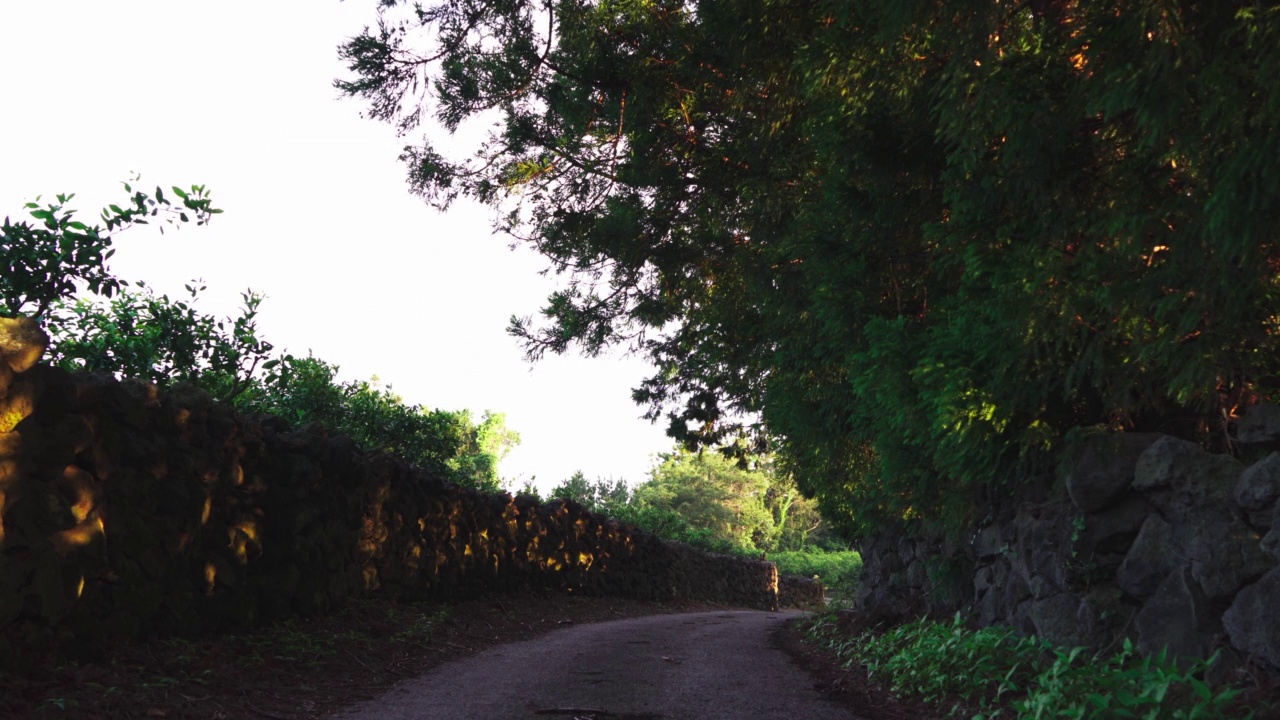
x=238 y=96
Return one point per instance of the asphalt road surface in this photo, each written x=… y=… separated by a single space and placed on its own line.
x=695 y=666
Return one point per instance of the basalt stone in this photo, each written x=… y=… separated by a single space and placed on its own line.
x=1042 y=534
x=1260 y=424
x=1113 y=529
x=1252 y=622
x=22 y=343
x=1224 y=551
x=1271 y=541
x=1016 y=590
x=916 y=575
x=1150 y=559
x=1105 y=469
x=990 y=607
x=983 y=579
x=1259 y=485
x=988 y=543
x=1178 y=477
x=1102 y=614
x=1180 y=465
x=1020 y=618
x=1055 y=619
x=1176 y=617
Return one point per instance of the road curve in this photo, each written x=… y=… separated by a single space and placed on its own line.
x=694 y=666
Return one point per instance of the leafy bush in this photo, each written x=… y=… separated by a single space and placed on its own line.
x=837 y=570
x=448 y=443
x=135 y=333
x=1001 y=675
x=139 y=335
x=54 y=258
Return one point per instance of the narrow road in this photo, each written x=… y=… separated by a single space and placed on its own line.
x=695 y=666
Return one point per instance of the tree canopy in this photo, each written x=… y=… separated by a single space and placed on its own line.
x=708 y=500
x=924 y=242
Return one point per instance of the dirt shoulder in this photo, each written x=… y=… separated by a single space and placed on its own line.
x=846 y=686
x=301 y=669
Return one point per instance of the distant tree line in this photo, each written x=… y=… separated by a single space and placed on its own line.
x=711 y=501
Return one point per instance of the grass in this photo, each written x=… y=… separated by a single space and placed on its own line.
x=992 y=673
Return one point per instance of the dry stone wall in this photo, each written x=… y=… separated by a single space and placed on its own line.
x=801 y=592
x=1148 y=538
x=125 y=511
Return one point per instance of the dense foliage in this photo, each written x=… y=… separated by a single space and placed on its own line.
x=138 y=334
x=924 y=241
x=448 y=443
x=57 y=255
x=709 y=501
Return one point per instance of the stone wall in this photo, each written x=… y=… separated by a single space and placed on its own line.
x=1148 y=538
x=801 y=592
x=125 y=511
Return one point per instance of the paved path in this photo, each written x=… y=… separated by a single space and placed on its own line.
x=696 y=666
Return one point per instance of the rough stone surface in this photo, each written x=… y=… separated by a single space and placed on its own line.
x=987 y=542
x=1179 y=478
x=1175 y=618
x=1253 y=620
x=1055 y=619
x=991 y=585
x=1260 y=424
x=1271 y=541
x=1224 y=551
x=22 y=343
x=1042 y=534
x=1016 y=590
x=1167 y=546
x=1166 y=462
x=1105 y=469
x=1151 y=558
x=1102 y=613
x=1259 y=485
x=1113 y=529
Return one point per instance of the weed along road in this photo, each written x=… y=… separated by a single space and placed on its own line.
x=695 y=666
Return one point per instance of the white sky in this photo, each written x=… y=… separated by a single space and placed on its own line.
x=238 y=96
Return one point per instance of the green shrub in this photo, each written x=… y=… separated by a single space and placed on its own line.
x=992 y=673
x=837 y=570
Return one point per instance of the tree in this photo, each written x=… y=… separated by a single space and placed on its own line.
x=753 y=506
x=710 y=491
x=605 y=496
x=51 y=260
x=484 y=446
x=920 y=245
